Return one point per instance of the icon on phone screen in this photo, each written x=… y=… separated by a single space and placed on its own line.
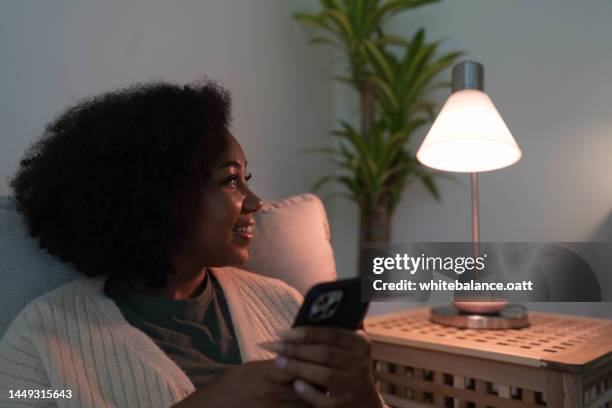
x=325 y=306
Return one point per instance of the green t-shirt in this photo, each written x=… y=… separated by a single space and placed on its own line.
x=196 y=333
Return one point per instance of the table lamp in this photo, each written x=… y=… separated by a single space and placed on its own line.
x=470 y=136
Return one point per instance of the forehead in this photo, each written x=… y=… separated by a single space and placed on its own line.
x=232 y=153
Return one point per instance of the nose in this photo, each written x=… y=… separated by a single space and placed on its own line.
x=252 y=202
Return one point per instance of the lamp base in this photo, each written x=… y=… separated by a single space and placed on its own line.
x=480 y=307
x=513 y=316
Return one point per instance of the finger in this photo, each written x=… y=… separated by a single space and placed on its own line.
x=343 y=338
x=321 y=354
x=280 y=385
x=313 y=373
x=313 y=396
x=275 y=374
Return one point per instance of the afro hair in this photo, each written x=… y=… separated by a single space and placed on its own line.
x=111 y=185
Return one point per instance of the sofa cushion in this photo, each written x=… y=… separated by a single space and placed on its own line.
x=292 y=242
x=26 y=270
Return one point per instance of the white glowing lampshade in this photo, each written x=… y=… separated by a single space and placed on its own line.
x=469 y=135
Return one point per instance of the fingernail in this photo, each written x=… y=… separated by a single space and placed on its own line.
x=295 y=334
x=281 y=362
x=274 y=346
x=299 y=386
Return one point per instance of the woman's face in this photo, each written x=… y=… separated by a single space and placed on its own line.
x=227 y=204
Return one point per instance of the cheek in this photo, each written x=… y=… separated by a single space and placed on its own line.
x=218 y=217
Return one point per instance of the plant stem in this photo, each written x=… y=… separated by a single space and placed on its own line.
x=366 y=99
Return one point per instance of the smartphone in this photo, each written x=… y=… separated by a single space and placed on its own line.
x=337 y=304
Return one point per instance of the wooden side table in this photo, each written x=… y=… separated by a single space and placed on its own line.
x=559 y=361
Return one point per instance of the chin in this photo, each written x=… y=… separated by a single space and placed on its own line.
x=240 y=257
x=237 y=251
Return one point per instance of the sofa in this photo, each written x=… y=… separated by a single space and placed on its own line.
x=291 y=243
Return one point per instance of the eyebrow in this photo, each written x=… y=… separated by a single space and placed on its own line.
x=230 y=163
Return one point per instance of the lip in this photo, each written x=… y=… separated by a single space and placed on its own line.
x=246 y=224
x=245 y=236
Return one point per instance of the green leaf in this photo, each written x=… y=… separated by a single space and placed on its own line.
x=327 y=41
x=351 y=135
x=330 y=4
x=349 y=183
x=393 y=148
x=311 y=20
x=320 y=183
x=388 y=39
x=341 y=21
x=376 y=143
x=349 y=164
x=385 y=91
x=448 y=176
x=430 y=185
x=358 y=15
x=390 y=8
x=371 y=173
x=410 y=53
x=387 y=174
x=346 y=154
x=426 y=75
x=418 y=61
x=380 y=61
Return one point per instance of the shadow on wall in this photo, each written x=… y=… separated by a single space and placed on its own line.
x=592 y=309
x=604 y=232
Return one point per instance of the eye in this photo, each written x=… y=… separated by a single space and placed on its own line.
x=233 y=180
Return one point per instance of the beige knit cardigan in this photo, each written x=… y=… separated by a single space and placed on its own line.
x=75 y=338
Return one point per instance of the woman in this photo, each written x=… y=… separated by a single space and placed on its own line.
x=145 y=192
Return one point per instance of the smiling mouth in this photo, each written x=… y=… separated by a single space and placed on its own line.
x=244 y=232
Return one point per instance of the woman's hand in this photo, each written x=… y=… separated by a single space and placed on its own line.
x=257 y=384
x=335 y=359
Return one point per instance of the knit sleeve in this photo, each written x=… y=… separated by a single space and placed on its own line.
x=292 y=300
x=21 y=368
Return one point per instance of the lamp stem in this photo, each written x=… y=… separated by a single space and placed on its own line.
x=475 y=229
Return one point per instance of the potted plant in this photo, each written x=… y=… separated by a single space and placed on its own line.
x=394 y=78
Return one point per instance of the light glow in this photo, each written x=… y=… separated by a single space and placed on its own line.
x=469 y=135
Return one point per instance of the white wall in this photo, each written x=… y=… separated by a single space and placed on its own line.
x=56 y=52
x=547 y=69
x=548 y=65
